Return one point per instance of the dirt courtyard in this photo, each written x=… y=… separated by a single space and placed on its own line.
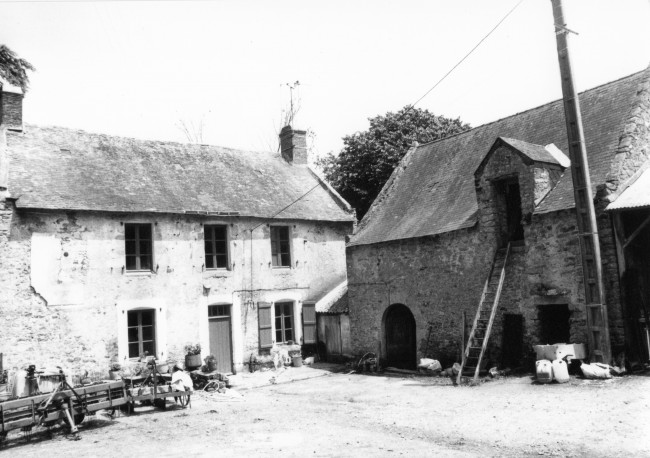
x=338 y=414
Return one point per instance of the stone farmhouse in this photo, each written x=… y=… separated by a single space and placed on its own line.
x=420 y=259
x=111 y=247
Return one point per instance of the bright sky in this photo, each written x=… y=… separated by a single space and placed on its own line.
x=137 y=68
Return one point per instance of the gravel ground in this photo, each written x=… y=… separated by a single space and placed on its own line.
x=317 y=412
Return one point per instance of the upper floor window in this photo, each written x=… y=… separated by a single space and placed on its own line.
x=280 y=246
x=216 y=247
x=139 y=252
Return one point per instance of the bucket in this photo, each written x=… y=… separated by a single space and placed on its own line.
x=192 y=361
x=114 y=375
x=560 y=371
x=544 y=370
x=48 y=382
x=297 y=361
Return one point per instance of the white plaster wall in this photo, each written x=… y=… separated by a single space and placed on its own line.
x=76 y=269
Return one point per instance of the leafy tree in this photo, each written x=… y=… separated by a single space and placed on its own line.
x=368 y=158
x=13 y=69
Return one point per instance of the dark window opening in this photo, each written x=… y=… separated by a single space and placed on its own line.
x=280 y=247
x=513 y=340
x=138 y=246
x=215 y=311
x=141 y=333
x=509 y=209
x=554 y=325
x=216 y=247
x=283 y=321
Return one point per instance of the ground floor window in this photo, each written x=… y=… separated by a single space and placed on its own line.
x=283 y=322
x=142 y=332
x=554 y=323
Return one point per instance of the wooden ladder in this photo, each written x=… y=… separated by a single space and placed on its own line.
x=478 y=338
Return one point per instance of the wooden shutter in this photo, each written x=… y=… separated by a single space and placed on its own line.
x=309 y=323
x=265 y=325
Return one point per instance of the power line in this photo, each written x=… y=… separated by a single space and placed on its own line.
x=465 y=57
x=281 y=210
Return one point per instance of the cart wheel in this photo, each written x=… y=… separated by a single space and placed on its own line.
x=78 y=418
x=183 y=399
x=160 y=403
x=127 y=408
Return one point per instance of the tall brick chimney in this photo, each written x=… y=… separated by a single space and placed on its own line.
x=11 y=109
x=293 y=145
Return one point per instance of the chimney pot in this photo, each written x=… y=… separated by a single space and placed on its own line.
x=11 y=109
x=293 y=146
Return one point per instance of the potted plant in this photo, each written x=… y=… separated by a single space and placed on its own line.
x=192 y=356
x=211 y=362
x=114 y=370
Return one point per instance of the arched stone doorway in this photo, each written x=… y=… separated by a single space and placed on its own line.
x=399 y=337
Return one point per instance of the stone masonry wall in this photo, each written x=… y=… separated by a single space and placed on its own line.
x=64 y=293
x=634 y=145
x=441 y=277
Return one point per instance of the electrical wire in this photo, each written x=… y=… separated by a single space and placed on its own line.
x=464 y=58
x=284 y=208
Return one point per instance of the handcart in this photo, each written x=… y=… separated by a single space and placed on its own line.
x=153 y=389
x=65 y=403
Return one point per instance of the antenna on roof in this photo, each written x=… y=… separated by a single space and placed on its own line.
x=293 y=108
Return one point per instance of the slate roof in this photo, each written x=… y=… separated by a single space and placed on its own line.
x=536 y=153
x=60 y=168
x=432 y=190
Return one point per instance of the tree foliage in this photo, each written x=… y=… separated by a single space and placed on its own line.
x=13 y=69
x=368 y=158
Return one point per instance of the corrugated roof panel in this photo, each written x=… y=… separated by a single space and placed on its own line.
x=637 y=195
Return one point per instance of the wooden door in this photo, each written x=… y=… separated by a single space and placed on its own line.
x=513 y=340
x=333 y=335
x=220 y=336
x=400 y=337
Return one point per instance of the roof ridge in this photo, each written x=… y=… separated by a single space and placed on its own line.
x=532 y=109
x=138 y=139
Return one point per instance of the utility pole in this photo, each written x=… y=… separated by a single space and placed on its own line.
x=597 y=326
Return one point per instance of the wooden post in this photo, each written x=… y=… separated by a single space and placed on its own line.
x=596 y=310
x=462 y=336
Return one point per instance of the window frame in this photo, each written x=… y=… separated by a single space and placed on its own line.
x=139 y=326
x=276 y=243
x=284 y=305
x=215 y=255
x=137 y=255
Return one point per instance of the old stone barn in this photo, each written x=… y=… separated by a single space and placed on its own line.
x=420 y=259
x=111 y=247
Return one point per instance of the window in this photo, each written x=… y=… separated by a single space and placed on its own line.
x=283 y=321
x=138 y=246
x=142 y=332
x=215 y=311
x=216 y=247
x=280 y=252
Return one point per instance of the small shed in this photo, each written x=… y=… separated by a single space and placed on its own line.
x=333 y=323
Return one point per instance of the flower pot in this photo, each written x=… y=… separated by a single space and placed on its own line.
x=192 y=361
x=297 y=361
x=114 y=375
x=212 y=366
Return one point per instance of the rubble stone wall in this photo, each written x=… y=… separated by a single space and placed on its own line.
x=634 y=145
x=64 y=293
x=440 y=277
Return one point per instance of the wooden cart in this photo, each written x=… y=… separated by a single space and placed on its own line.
x=32 y=411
